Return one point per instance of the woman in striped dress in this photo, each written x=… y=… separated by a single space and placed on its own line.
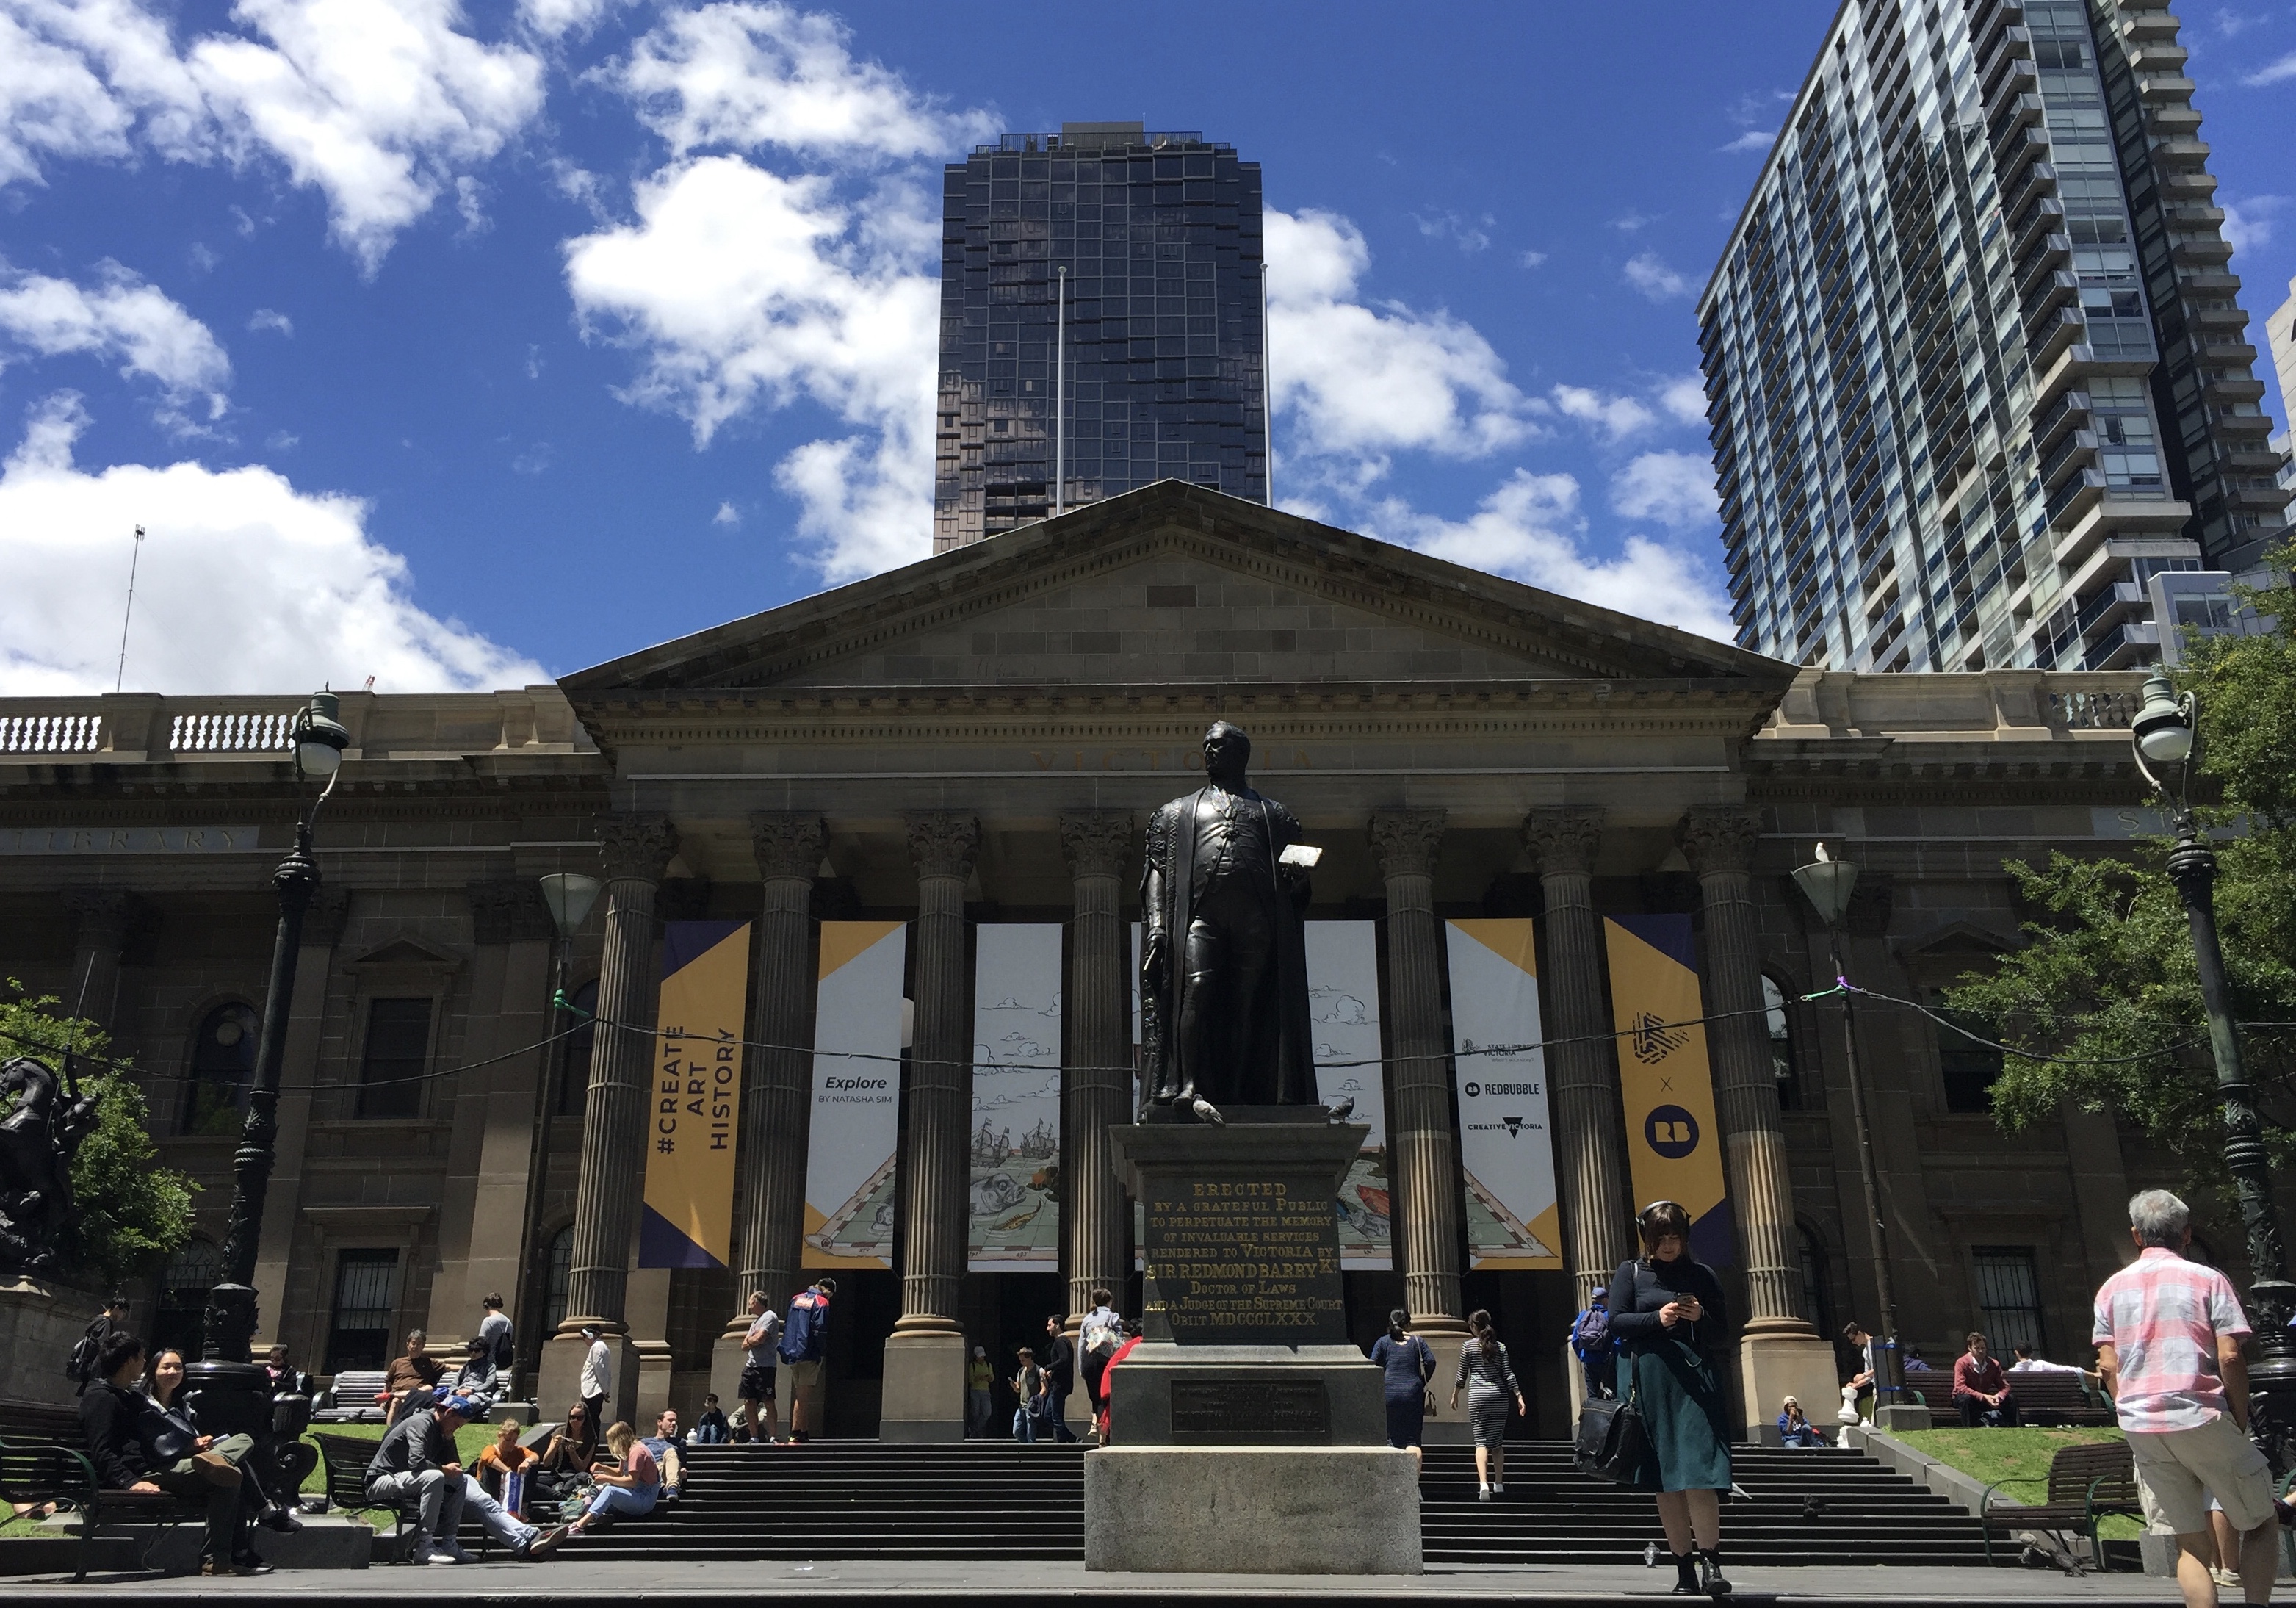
x=1490 y=1384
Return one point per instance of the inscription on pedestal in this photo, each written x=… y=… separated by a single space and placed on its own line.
x=1243 y=1261
x=1228 y=1408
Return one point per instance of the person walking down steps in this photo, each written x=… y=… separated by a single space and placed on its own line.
x=1490 y=1381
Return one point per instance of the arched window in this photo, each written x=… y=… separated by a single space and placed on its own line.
x=574 y=1060
x=1785 y=1065
x=559 y=1280
x=223 y=1068
x=181 y=1311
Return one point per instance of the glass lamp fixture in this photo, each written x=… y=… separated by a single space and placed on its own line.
x=2163 y=726
x=1827 y=883
x=569 y=896
x=320 y=737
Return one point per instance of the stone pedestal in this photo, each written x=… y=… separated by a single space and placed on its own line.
x=1249 y=1434
x=1773 y=1366
x=1251 y=1510
x=40 y=1323
x=924 y=1388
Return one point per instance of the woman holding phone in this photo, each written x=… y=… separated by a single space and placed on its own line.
x=1666 y=1308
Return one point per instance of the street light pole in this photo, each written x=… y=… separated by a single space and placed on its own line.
x=235 y=1393
x=2165 y=733
x=1827 y=884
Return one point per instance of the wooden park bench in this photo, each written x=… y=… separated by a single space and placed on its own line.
x=2049 y=1399
x=2087 y=1483
x=354 y=1397
x=44 y=1458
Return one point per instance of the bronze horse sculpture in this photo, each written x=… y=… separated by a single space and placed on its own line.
x=39 y=1138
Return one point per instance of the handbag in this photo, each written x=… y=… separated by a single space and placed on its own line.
x=1610 y=1443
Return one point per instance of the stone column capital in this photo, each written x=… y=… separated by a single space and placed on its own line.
x=1719 y=840
x=1563 y=841
x=506 y=910
x=943 y=844
x=1407 y=840
x=1096 y=842
x=788 y=845
x=636 y=847
x=100 y=917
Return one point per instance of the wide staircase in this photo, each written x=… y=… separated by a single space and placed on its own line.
x=993 y=1500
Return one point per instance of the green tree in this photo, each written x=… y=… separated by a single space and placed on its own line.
x=133 y=1212
x=2107 y=975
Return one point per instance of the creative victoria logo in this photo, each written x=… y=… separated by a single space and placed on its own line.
x=1672 y=1131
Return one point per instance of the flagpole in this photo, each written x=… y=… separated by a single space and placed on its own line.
x=119 y=680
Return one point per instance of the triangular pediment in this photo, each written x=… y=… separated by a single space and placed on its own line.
x=1174 y=584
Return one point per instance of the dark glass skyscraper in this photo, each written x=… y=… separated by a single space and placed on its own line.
x=1160 y=237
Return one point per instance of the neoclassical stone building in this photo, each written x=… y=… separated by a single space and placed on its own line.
x=977 y=739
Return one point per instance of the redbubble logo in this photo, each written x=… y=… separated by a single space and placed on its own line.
x=1672 y=1131
x=1473 y=1089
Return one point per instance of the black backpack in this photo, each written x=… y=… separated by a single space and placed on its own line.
x=87 y=1354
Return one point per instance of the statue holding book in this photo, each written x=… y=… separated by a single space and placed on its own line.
x=1224 y=965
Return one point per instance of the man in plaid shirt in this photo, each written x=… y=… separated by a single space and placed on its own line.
x=2168 y=1334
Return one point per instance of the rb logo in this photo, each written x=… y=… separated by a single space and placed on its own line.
x=1672 y=1131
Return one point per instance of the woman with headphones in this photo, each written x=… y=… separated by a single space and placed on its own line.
x=1666 y=1308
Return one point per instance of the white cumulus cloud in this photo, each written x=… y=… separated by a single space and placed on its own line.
x=1531 y=530
x=1649 y=273
x=2276 y=71
x=119 y=319
x=1616 y=416
x=382 y=105
x=1359 y=382
x=1683 y=398
x=750 y=75
x=245 y=585
x=1674 y=489
x=741 y=288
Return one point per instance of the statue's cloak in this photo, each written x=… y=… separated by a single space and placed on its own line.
x=1171 y=872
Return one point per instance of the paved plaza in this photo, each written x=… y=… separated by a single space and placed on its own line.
x=571 y=1575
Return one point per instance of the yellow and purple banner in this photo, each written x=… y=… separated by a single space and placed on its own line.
x=1673 y=1142
x=695 y=1113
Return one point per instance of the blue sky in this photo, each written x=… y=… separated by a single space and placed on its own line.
x=462 y=347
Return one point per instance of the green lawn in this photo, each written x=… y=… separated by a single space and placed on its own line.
x=2016 y=1460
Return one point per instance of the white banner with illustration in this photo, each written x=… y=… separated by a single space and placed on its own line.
x=1015 y=1178
x=1506 y=1147
x=857 y=1095
x=1343 y=1023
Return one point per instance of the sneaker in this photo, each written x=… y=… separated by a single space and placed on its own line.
x=282 y=1518
x=434 y=1555
x=1499 y=1487
x=247 y=1563
x=1482 y=1493
x=456 y=1550
x=546 y=1543
x=2224 y=1577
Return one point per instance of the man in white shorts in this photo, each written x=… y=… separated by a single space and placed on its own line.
x=2168 y=1334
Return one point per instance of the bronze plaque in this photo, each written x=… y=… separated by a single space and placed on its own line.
x=1233 y=1407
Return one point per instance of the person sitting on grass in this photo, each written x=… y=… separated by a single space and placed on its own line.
x=629 y=1485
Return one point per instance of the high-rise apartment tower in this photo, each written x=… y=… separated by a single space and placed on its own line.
x=1158 y=236
x=1974 y=358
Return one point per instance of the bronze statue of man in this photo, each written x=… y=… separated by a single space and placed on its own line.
x=1224 y=972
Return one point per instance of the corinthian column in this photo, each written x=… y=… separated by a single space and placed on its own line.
x=637 y=850
x=777 y=1103
x=1781 y=1354
x=1421 y=1147
x=924 y=1355
x=99 y=919
x=1097 y=1093
x=1581 y=1070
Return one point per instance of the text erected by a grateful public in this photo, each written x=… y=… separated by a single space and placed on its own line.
x=1237 y=1258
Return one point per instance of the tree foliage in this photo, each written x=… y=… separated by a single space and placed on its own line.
x=2107 y=975
x=133 y=1212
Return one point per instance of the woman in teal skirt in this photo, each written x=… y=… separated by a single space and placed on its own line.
x=1666 y=1308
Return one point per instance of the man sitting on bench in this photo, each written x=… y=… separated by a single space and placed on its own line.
x=417 y=1459
x=113 y=1413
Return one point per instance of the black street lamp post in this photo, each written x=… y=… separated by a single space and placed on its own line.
x=2166 y=734
x=1827 y=884
x=235 y=1393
